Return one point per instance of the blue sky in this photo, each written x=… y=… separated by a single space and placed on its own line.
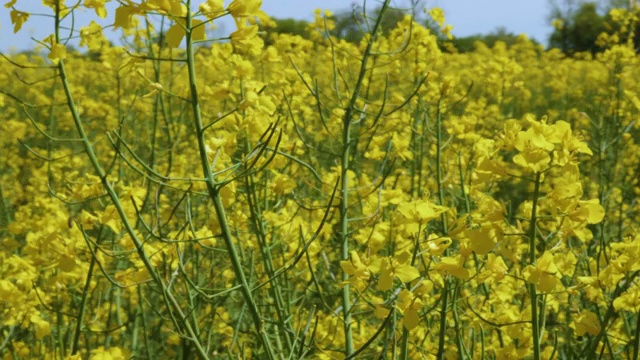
x=468 y=17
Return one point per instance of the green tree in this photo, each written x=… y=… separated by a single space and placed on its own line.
x=287 y=26
x=467 y=43
x=580 y=29
x=352 y=25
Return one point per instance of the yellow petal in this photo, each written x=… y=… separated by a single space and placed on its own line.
x=406 y=273
x=175 y=35
x=198 y=30
x=123 y=17
x=593 y=210
x=18 y=18
x=385 y=282
x=67 y=263
x=411 y=318
x=380 y=312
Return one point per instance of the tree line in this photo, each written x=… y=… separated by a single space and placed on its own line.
x=578 y=26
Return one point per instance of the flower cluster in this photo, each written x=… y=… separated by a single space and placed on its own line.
x=314 y=197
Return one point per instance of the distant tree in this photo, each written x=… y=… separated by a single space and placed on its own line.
x=352 y=25
x=467 y=43
x=579 y=29
x=287 y=26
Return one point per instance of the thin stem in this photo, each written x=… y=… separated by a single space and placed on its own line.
x=214 y=188
x=445 y=230
x=277 y=285
x=343 y=235
x=4 y=211
x=532 y=261
x=83 y=306
x=636 y=343
x=99 y=170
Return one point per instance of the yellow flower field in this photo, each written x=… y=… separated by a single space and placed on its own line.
x=275 y=197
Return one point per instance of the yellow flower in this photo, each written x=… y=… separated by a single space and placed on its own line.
x=535 y=137
x=436 y=245
x=566 y=263
x=589 y=211
x=358 y=271
x=586 y=323
x=437 y=15
x=212 y=8
x=283 y=184
x=397 y=267
x=558 y=24
x=67 y=263
x=58 y=52
x=629 y=300
x=111 y=218
x=124 y=16
x=244 y=8
x=18 y=18
x=245 y=40
x=409 y=305
x=42 y=327
x=91 y=36
x=172 y=7
x=112 y=353
x=97 y=6
x=482 y=240
x=544 y=274
x=176 y=33
x=257 y=102
x=534 y=159
x=453 y=266
x=419 y=212
x=495 y=269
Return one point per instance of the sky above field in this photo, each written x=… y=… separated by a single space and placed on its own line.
x=468 y=17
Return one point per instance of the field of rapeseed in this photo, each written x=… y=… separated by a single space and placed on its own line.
x=184 y=197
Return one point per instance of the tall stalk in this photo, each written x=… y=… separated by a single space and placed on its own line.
x=83 y=307
x=343 y=235
x=282 y=309
x=535 y=324
x=636 y=341
x=168 y=298
x=213 y=189
x=444 y=298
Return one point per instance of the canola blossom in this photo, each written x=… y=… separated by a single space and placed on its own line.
x=269 y=196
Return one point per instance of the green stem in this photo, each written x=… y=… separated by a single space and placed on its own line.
x=636 y=343
x=532 y=261
x=83 y=306
x=445 y=230
x=276 y=287
x=462 y=349
x=4 y=209
x=344 y=238
x=343 y=235
x=214 y=188
x=113 y=196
